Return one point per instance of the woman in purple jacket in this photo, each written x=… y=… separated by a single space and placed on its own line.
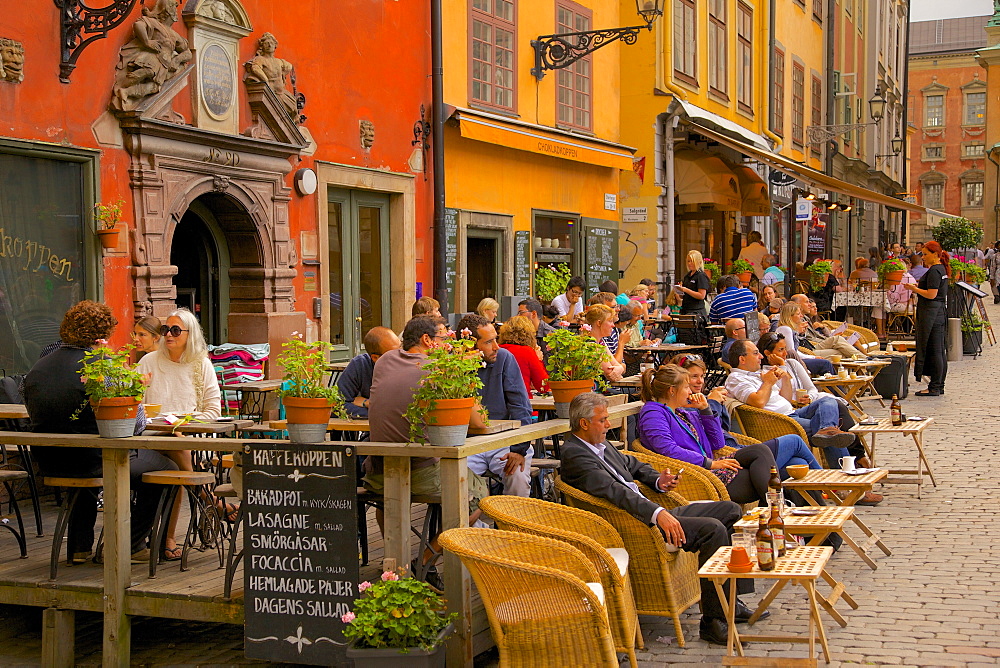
x=681 y=425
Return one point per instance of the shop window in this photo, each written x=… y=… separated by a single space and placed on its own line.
x=492 y=53
x=933 y=111
x=718 y=75
x=973 y=194
x=574 y=83
x=975 y=108
x=744 y=54
x=45 y=229
x=778 y=113
x=685 y=43
x=798 y=103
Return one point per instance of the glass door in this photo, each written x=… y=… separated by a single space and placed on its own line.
x=359 y=267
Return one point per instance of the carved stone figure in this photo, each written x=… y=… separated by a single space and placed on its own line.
x=217 y=9
x=11 y=60
x=151 y=58
x=367 y=134
x=266 y=68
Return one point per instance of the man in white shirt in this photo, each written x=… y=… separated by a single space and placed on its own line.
x=571 y=303
x=770 y=391
x=590 y=465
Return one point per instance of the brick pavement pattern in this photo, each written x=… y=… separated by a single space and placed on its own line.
x=934 y=602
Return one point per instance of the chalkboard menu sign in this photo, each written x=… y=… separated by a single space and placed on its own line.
x=600 y=252
x=522 y=262
x=300 y=564
x=451 y=253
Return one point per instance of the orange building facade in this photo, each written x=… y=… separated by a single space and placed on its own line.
x=270 y=180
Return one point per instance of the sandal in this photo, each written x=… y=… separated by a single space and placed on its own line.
x=172 y=554
x=229 y=512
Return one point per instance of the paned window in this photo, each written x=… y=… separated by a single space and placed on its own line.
x=817 y=107
x=798 y=103
x=933 y=111
x=975 y=108
x=975 y=150
x=744 y=53
x=685 y=44
x=778 y=113
x=492 y=53
x=934 y=152
x=933 y=195
x=973 y=193
x=717 y=52
x=574 y=83
x=818 y=10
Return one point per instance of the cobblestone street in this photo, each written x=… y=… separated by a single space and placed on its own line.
x=934 y=602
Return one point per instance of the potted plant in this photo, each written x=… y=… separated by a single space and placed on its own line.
x=711 y=268
x=972 y=333
x=442 y=404
x=819 y=272
x=743 y=270
x=891 y=272
x=307 y=400
x=550 y=282
x=574 y=365
x=115 y=388
x=397 y=621
x=107 y=217
x=957 y=232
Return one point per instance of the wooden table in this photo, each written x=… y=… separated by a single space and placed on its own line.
x=543 y=404
x=13 y=412
x=335 y=424
x=872 y=367
x=205 y=428
x=628 y=382
x=801 y=566
x=335 y=369
x=913 y=429
x=252 y=395
x=848 y=389
x=665 y=349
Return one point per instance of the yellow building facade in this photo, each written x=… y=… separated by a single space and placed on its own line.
x=531 y=165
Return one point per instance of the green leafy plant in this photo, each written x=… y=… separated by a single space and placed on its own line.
x=397 y=612
x=818 y=270
x=107 y=373
x=575 y=356
x=304 y=365
x=973 y=272
x=893 y=264
x=740 y=266
x=711 y=266
x=451 y=372
x=971 y=322
x=957 y=232
x=550 y=282
x=107 y=216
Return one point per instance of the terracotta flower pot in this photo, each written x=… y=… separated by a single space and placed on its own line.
x=108 y=238
x=564 y=391
x=115 y=408
x=893 y=278
x=745 y=277
x=450 y=412
x=307 y=410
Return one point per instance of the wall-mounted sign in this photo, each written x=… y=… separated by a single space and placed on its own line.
x=635 y=214
x=803 y=210
x=610 y=202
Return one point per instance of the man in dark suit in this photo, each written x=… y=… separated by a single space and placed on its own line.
x=591 y=465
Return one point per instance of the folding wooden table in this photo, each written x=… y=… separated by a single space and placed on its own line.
x=914 y=429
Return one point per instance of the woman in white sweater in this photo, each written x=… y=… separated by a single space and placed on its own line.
x=183 y=381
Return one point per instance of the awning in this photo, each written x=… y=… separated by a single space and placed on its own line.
x=543 y=141
x=700 y=178
x=707 y=119
x=803 y=173
x=755 y=193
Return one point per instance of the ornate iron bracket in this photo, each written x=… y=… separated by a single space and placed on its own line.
x=554 y=52
x=422 y=131
x=79 y=25
x=819 y=134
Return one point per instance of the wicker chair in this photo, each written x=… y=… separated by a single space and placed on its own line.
x=595 y=538
x=664 y=583
x=764 y=425
x=697 y=484
x=542 y=597
x=867 y=338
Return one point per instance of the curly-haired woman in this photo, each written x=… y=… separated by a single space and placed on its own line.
x=518 y=337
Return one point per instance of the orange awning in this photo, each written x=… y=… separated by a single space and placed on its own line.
x=700 y=178
x=756 y=196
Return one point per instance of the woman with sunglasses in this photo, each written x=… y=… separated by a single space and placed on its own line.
x=679 y=424
x=183 y=381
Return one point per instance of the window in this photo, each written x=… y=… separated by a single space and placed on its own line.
x=934 y=152
x=574 y=83
x=778 y=115
x=492 y=57
x=798 y=103
x=817 y=106
x=975 y=150
x=975 y=108
x=933 y=195
x=933 y=111
x=973 y=192
x=818 y=10
x=744 y=54
x=717 y=52
x=685 y=40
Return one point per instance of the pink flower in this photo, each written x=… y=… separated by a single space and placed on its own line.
x=585 y=327
x=364 y=586
x=389 y=575
x=347 y=618
x=101 y=342
x=466 y=332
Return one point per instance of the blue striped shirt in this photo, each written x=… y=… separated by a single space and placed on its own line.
x=733 y=303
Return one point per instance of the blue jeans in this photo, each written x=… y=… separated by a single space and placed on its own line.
x=791 y=449
x=822 y=413
x=817 y=366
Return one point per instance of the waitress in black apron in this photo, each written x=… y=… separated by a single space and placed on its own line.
x=932 y=319
x=695 y=286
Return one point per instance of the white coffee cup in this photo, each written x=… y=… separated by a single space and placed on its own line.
x=846 y=463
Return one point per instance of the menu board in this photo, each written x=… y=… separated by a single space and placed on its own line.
x=300 y=563
x=522 y=262
x=450 y=255
x=600 y=252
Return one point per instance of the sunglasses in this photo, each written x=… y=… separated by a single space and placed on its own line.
x=172 y=331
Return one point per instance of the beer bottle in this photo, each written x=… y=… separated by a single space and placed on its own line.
x=774 y=488
x=765 y=546
x=896 y=412
x=776 y=526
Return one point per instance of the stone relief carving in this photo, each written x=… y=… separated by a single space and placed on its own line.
x=152 y=57
x=11 y=60
x=367 y=134
x=220 y=184
x=217 y=9
x=265 y=67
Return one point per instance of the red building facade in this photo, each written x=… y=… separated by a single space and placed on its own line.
x=263 y=152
